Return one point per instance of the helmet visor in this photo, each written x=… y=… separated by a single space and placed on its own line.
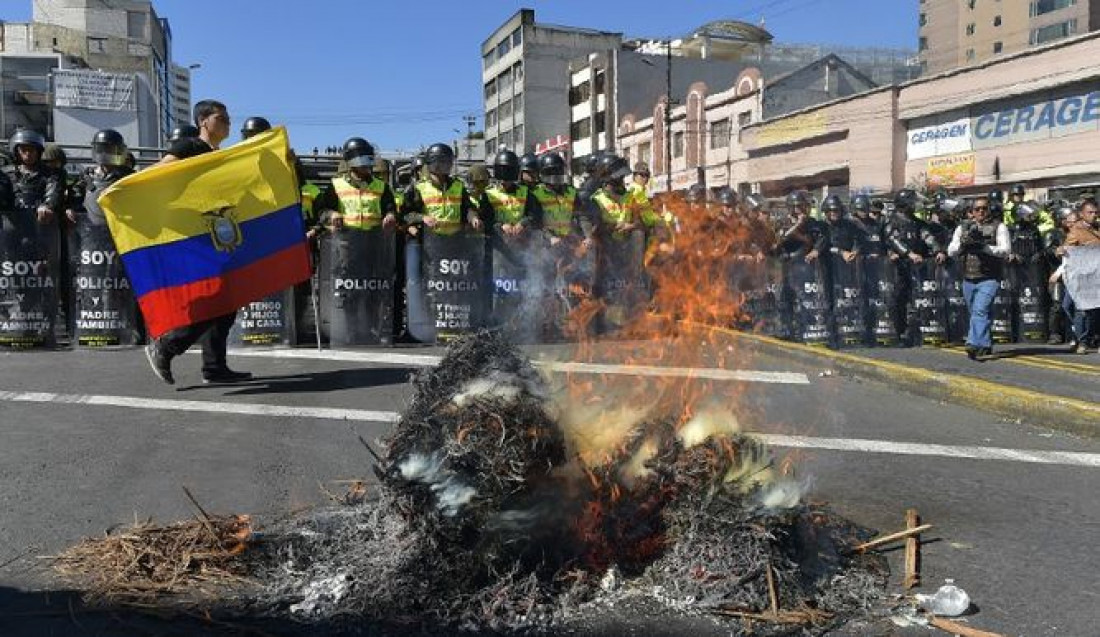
x=554 y=180
x=109 y=156
x=506 y=173
x=441 y=166
x=620 y=173
x=361 y=161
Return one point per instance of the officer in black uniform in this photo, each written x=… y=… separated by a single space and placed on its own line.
x=801 y=231
x=909 y=241
x=254 y=126
x=870 y=224
x=591 y=181
x=846 y=237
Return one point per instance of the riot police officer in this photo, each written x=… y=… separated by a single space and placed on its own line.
x=874 y=242
x=983 y=243
x=512 y=207
x=254 y=126
x=620 y=247
x=439 y=202
x=358 y=199
x=590 y=182
x=529 y=169
x=803 y=233
x=846 y=238
x=910 y=241
x=563 y=214
x=1016 y=196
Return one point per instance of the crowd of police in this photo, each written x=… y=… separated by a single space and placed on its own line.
x=425 y=255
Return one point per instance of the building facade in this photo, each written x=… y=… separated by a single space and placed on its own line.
x=956 y=33
x=524 y=74
x=181 y=94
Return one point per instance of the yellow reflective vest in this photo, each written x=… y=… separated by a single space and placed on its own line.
x=360 y=202
x=557 y=209
x=509 y=207
x=443 y=205
x=615 y=210
x=310 y=193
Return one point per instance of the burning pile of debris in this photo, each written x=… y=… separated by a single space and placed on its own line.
x=486 y=517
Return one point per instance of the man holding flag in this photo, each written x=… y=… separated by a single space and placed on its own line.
x=202 y=238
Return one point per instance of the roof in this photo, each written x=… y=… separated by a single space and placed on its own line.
x=734 y=30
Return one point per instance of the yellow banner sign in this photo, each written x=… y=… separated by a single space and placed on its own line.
x=951 y=171
x=791 y=129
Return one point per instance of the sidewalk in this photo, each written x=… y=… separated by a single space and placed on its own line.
x=1038 y=384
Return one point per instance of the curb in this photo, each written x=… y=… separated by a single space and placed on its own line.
x=1071 y=415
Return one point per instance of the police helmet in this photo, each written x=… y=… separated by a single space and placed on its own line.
x=612 y=167
x=254 y=126
x=358 y=153
x=641 y=168
x=1018 y=189
x=1027 y=211
x=109 y=148
x=727 y=197
x=552 y=169
x=183 y=132
x=756 y=202
x=440 y=159
x=861 y=203
x=907 y=201
x=996 y=196
x=478 y=174
x=832 y=203
x=26 y=137
x=697 y=193
x=506 y=166
x=529 y=163
x=591 y=162
x=53 y=152
x=798 y=198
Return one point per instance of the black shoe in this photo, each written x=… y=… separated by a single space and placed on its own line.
x=972 y=352
x=225 y=376
x=159 y=361
x=985 y=351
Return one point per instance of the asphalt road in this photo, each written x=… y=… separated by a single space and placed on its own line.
x=1015 y=507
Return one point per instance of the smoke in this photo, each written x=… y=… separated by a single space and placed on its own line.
x=451 y=493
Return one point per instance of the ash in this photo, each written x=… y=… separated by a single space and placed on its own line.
x=485 y=520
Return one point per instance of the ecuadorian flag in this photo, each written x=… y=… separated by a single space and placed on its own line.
x=202 y=237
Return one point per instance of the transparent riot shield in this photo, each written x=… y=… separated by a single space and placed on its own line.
x=28 y=280
x=958 y=315
x=519 y=278
x=880 y=279
x=1003 y=314
x=849 y=302
x=620 y=283
x=357 y=286
x=1029 y=282
x=928 y=316
x=454 y=281
x=812 y=307
x=104 y=309
x=570 y=300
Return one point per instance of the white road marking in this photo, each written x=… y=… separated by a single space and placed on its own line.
x=428 y=360
x=1030 y=456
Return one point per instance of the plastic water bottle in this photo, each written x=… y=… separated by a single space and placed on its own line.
x=949 y=600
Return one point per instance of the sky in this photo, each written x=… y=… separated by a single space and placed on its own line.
x=403 y=74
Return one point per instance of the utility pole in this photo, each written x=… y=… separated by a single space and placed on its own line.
x=668 y=115
x=470 y=121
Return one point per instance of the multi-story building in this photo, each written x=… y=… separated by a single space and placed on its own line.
x=181 y=94
x=524 y=75
x=957 y=33
x=122 y=36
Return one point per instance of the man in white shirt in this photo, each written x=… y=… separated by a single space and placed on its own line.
x=983 y=243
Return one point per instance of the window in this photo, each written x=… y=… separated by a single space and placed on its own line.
x=1053 y=32
x=491 y=118
x=744 y=118
x=601 y=122
x=997 y=21
x=97 y=45
x=971 y=3
x=504 y=111
x=517 y=135
x=580 y=94
x=504 y=140
x=970 y=55
x=517 y=72
x=517 y=103
x=488 y=59
x=135 y=24
x=581 y=129
x=600 y=77
x=503 y=48
x=645 y=152
x=923 y=19
x=997 y=47
x=504 y=82
x=490 y=89
x=517 y=37
x=491 y=146
x=970 y=28
x=922 y=44
x=720 y=133
x=678 y=144
x=1040 y=7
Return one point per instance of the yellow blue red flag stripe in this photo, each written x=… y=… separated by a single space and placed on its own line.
x=204 y=236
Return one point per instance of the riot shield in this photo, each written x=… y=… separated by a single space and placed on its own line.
x=104 y=309
x=1002 y=314
x=267 y=322
x=849 y=302
x=812 y=307
x=928 y=316
x=357 y=286
x=1029 y=281
x=958 y=315
x=28 y=280
x=880 y=287
x=519 y=282
x=620 y=282
x=454 y=280
x=572 y=273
